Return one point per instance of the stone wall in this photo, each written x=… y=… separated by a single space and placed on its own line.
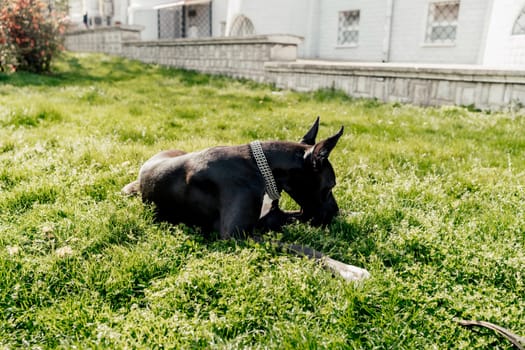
x=105 y=39
x=238 y=57
x=273 y=59
x=426 y=85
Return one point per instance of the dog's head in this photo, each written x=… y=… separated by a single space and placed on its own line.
x=311 y=186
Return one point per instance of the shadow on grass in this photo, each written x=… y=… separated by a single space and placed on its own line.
x=88 y=69
x=71 y=72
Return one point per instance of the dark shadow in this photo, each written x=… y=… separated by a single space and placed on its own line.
x=72 y=70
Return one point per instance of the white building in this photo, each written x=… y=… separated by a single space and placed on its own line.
x=486 y=32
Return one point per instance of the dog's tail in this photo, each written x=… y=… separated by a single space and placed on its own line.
x=131 y=189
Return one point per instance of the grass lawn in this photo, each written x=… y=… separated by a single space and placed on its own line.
x=432 y=199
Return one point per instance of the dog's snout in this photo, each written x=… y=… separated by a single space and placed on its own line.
x=324 y=215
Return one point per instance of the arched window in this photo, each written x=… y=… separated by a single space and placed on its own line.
x=242 y=26
x=519 y=25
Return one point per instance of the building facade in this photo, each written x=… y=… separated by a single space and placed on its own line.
x=484 y=32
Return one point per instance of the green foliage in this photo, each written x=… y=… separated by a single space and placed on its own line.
x=30 y=35
x=432 y=204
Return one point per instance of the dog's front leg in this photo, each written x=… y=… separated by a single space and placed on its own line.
x=274 y=219
x=238 y=217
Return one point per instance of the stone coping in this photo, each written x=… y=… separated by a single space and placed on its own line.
x=121 y=28
x=284 y=39
x=470 y=73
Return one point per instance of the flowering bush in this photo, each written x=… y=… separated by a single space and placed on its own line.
x=30 y=35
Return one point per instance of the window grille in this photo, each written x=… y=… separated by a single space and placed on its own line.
x=442 y=23
x=171 y=23
x=348 y=29
x=184 y=21
x=519 y=25
x=242 y=26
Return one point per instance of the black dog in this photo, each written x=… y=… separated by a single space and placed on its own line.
x=226 y=189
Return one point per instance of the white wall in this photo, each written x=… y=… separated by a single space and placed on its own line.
x=121 y=11
x=408 y=33
x=503 y=48
x=371 y=30
x=232 y=11
x=75 y=12
x=146 y=18
x=141 y=12
x=277 y=17
x=484 y=32
x=219 y=12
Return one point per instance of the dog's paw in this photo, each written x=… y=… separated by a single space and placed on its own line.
x=131 y=189
x=348 y=272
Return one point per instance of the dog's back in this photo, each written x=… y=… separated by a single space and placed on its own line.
x=133 y=188
x=198 y=188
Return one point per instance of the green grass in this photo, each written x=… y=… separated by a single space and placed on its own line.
x=433 y=205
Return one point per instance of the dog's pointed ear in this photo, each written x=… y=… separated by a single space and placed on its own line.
x=309 y=137
x=319 y=153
